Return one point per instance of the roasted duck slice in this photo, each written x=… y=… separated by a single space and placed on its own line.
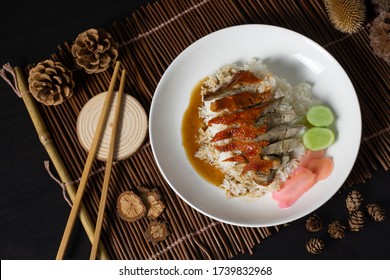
x=240 y=78
x=280 y=132
x=258 y=164
x=248 y=116
x=240 y=101
x=244 y=147
x=282 y=147
x=276 y=118
x=244 y=132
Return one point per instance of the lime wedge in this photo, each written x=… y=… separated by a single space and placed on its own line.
x=320 y=115
x=318 y=138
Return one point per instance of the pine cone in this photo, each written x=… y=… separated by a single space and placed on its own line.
x=353 y=201
x=376 y=212
x=381 y=5
x=314 y=223
x=50 y=82
x=315 y=246
x=356 y=220
x=95 y=50
x=336 y=230
x=380 y=36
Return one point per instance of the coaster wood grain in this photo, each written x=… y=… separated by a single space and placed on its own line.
x=132 y=128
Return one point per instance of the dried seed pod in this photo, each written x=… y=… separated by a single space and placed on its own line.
x=130 y=207
x=376 y=212
x=380 y=36
x=347 y=16
x=154 y=205
x=94 y=50
x=314 y=223
x=315 y=246
x=353 y=201
x=156 y=232
x=152 y=200
x=50 y=82
x=336 y=230
x=356 y=220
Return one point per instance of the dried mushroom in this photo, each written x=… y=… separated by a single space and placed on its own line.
x=130 y=207
x=154 y=205
x=153 y=202
x=156 y=232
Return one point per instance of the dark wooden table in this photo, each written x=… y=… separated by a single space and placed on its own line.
x=33 y=212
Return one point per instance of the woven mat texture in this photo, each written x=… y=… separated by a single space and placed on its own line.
x=150 y=39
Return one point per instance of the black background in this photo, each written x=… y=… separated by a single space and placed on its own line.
x=33 y=213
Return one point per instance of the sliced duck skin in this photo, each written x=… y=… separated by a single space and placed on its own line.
x=240 y=78
x=258 y=164
x=244 y=132
x=244 y=147
x=240 y=101
x=248 y=116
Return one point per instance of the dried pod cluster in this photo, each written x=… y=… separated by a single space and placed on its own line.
x=347 y=16
x=380 y=36
x=50 y=82
x=132 y=207
x=356 y=221
x=94 y=50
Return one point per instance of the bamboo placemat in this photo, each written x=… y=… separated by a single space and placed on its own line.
x=150 y=39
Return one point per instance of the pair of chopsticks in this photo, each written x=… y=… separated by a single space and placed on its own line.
x=91 y=156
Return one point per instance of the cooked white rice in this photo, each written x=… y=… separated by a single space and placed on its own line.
x=297 y=97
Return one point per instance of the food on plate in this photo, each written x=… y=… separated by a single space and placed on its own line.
x=251 y=129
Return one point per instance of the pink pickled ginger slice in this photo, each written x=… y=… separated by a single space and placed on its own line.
x=321 y=167
x=311 y=155
x=293 y=188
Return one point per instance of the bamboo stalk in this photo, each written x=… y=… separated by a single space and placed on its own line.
x=48 y=144
x=107 y=173
x=87 y=168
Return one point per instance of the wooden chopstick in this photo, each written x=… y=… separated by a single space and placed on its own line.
x=107 y=174
x=88 y=164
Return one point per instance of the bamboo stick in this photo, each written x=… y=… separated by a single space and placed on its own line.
x=48 y=144
x=87 y=168
x=110 y=160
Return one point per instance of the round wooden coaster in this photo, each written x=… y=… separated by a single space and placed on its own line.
x=131 y=132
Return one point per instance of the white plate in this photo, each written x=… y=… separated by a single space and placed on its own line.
x=287 y=54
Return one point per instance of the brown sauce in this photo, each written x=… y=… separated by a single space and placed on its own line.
x=190 y=135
